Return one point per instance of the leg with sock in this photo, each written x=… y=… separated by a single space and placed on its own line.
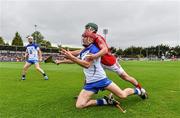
x=25 y=68
x=41 y=71
x=132 y=80
x=101 y=102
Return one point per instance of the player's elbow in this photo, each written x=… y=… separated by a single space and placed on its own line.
x=87 y=66
x=105 y=50
x=39 y=51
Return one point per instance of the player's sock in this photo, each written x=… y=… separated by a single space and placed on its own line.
x=23 y=77
x=139 y=86
x=44 y=74
x=101 y=102
x=137 y=91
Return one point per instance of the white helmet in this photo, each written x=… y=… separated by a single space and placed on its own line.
x=29 y=37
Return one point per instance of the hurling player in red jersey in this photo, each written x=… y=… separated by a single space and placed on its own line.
x=108 y=60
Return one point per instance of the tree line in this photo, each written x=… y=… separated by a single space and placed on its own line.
x=152 y=51
x=17 y=40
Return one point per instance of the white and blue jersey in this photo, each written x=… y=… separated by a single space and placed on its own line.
x=95 y=75
x=32 y=50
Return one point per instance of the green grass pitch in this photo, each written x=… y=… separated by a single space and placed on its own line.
x=37 y=98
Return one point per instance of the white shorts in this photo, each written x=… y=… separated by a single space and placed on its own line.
x=115 y=68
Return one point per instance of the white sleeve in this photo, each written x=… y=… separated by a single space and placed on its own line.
x=38 y=48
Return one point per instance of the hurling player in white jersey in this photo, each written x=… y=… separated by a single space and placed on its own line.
x=34 y=56
x=95 y=78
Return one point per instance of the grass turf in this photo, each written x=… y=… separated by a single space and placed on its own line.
x=37 y=98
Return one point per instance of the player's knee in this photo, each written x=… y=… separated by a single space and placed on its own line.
x=24 y=68
x=80 y=105
x=37 y=68
x=124 y=96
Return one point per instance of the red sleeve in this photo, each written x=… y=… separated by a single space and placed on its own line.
x=100 y=41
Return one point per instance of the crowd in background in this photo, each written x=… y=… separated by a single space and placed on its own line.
x=19 y=56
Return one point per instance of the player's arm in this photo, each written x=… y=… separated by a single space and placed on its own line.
x=103 y=49
x=65 y=61
x=76 y=52
x=83 y=63
x=39 y=54
x=25 y=55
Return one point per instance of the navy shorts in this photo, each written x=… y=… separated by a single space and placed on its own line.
x=96 y=86
x=32 y=61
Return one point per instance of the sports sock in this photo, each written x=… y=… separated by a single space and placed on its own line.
x=139 y=86
x=101 y=102
x=137 y=91
x=44 y=74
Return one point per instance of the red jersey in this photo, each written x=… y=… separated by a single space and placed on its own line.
x=108 y=59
